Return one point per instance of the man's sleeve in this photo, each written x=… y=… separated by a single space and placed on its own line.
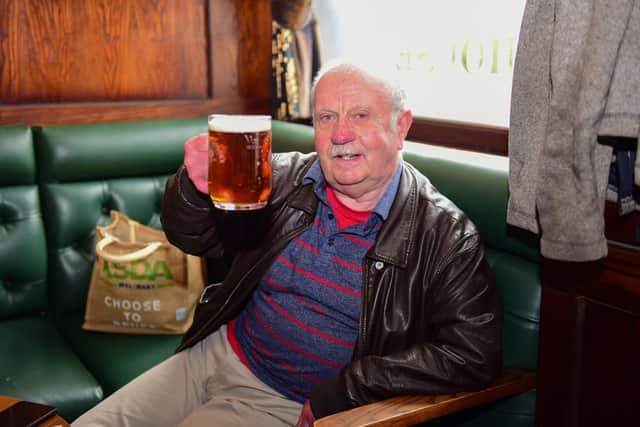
x=188 y=217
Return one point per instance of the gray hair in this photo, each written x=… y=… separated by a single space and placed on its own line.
x=393 y=91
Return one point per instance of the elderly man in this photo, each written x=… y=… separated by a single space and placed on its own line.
x=357 y=282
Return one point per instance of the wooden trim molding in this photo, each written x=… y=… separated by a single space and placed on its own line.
x=71 y=113
x=624 y=260
x=461 y=135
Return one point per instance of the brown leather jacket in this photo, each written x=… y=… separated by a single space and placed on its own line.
x=431 y=319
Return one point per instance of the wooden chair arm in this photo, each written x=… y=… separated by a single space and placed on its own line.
x=413 y=409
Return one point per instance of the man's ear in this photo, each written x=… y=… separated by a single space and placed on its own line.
x=404 y=123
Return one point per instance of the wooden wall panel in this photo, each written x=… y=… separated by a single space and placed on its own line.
x=588 y=373
x=609 y=366
x=81 y=61
x=234 y=41
x=102 y=50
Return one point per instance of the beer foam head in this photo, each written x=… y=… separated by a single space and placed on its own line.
x=239 y=123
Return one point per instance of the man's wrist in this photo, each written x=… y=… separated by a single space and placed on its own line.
x=189 y=192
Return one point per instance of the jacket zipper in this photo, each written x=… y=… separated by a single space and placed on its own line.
x=364 y=309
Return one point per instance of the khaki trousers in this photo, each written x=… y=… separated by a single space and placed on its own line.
x=205 y=385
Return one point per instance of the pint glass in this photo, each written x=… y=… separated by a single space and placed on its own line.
x=239 y=161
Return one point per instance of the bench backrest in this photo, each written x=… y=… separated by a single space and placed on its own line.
x=84 y=171
x=23 y=252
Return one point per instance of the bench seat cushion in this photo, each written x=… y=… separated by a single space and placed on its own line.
x=115 y=359
x=38 y=365
x=518 y=284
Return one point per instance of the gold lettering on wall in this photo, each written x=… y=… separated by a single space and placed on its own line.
x=491 y=56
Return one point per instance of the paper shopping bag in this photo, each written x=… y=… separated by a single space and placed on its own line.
x=140 y=283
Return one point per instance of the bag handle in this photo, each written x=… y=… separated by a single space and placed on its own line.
x=132 y=256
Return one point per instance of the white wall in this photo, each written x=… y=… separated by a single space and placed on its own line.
x=454 y=57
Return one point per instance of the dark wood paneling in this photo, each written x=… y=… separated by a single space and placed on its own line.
x=609 y=367
x=616 y=289
x=80 y=61
x=624 y=229
x=625 y=261
x=102 y=50
x=588 y=373
x=240 y=47
x=556 y=375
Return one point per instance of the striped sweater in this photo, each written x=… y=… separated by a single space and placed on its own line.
x=301 y=324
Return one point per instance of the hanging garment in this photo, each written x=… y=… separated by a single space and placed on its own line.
x=567 y=54
x=620 y=187
x=621 y=120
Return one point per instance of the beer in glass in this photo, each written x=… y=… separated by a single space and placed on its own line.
x=239 y=161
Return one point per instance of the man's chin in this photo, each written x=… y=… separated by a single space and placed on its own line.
x=352 y=188
x=347 y=181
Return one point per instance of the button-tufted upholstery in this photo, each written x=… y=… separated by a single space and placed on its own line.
x=23 y=279
x=84 y=171
x=35 y=362
x=57 y=183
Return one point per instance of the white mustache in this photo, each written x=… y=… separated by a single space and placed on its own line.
x=341 y=150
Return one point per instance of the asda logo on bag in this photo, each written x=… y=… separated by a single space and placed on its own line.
x=141 y=270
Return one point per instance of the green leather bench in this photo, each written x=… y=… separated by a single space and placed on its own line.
x=57 y=183
x=35 y=361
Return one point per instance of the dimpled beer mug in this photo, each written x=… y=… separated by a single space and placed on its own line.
x=239 y=161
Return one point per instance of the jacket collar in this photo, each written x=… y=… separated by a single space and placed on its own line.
x=315 y=177
x=396 y=235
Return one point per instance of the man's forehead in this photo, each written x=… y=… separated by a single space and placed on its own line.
x=347 y=86
x=347 y=77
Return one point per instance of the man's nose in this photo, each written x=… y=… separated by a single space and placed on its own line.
x=342 y=132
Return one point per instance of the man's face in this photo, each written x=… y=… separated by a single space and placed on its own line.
x=357 y=148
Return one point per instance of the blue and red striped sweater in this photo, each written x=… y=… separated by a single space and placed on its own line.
x=301 y=324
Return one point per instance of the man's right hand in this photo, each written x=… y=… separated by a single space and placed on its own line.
x=196 y=161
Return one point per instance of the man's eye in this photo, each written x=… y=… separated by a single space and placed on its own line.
x=361 y=116
x=325 y=117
